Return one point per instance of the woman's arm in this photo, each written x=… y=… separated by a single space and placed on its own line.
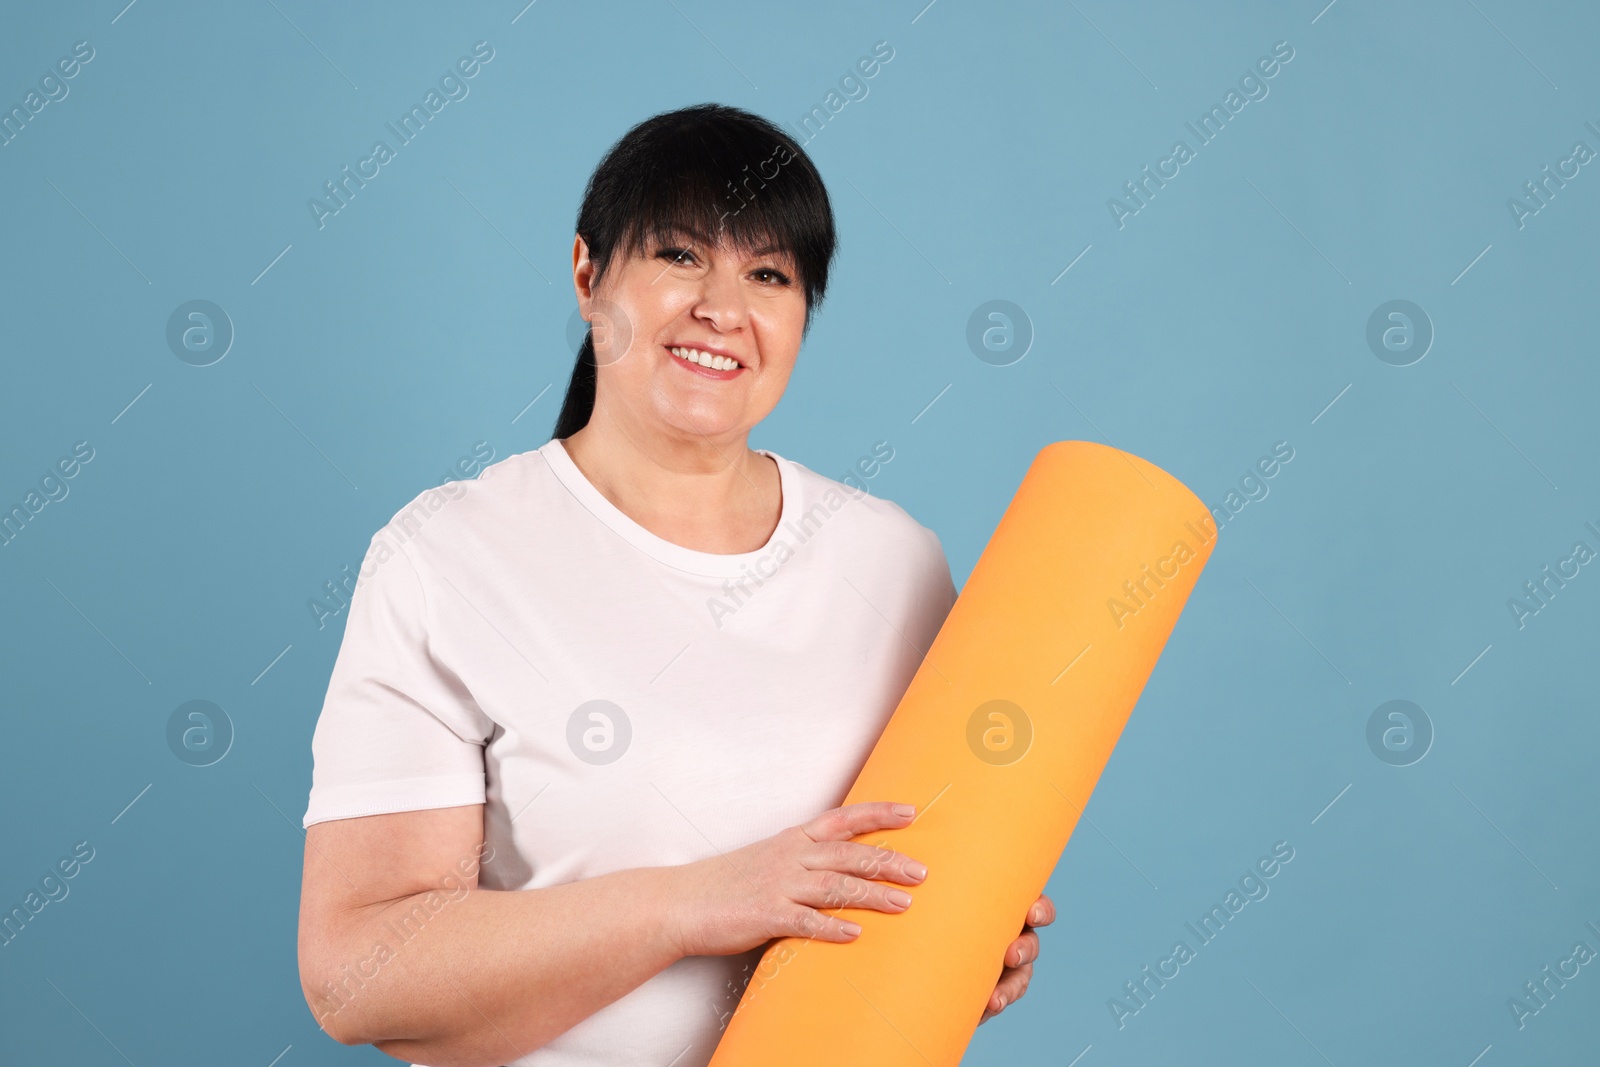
x=400 y=949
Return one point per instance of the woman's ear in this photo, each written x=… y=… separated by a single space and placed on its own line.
x=582 y=275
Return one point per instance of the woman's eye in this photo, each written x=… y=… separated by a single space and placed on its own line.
x=683 y=255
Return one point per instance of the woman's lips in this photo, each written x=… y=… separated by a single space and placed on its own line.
x=719 y=375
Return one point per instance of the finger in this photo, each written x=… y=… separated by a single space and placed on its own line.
x=865 y=861
x=841 y=824
x=1024 y=949
x=1012 y=985
x=816 y=925
x=1042 y=912
x=833 y=889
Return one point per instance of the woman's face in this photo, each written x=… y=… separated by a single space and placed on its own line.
x=686 y=293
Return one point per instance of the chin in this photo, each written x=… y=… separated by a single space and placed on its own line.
x=698 y=419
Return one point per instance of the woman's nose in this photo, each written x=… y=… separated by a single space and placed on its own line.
x=721 y=299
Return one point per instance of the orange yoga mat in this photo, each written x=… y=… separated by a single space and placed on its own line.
x=998 y=740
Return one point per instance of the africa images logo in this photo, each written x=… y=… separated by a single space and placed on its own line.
x=1253 y=86
x=453 y=87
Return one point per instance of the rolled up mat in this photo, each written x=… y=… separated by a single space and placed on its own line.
x=999 y=739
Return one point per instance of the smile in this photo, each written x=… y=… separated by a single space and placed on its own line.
x=711 y=366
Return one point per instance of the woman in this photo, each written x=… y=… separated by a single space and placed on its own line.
x=584 y=742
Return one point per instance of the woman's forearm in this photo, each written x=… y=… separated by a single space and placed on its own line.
x=491 y=975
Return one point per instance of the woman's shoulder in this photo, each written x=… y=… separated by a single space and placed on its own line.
x=878 y=521
x=459 y=509
x=878 y=541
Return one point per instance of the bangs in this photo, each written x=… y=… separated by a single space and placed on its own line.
x=714 y=202
x=717 y=175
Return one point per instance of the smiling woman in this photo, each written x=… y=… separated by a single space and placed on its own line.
x=662 y=790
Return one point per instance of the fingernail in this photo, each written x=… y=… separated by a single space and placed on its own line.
x=904 y=809
x=1002 y=1001
x=917 y=870
x=852 y=929
x=900 y=897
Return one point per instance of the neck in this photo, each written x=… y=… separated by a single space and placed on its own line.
x=713 y=494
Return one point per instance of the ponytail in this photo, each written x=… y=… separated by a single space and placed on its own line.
x=579 y=405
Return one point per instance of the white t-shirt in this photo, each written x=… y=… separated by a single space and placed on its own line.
x=616 y=700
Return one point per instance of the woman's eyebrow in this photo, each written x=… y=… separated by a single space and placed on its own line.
x=703 y=239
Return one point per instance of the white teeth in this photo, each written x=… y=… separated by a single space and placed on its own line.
x=705 y=359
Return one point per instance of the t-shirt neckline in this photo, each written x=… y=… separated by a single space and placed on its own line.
x=714 y=564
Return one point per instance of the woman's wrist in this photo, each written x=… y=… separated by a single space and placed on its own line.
x=670 y=890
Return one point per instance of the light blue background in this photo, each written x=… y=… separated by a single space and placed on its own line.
x=1227 y=315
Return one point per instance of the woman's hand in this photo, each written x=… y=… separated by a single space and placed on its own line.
x=773 y=888
x=1018 y=960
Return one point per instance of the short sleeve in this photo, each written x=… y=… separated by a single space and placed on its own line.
x=936 y=596
x=398 y=731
